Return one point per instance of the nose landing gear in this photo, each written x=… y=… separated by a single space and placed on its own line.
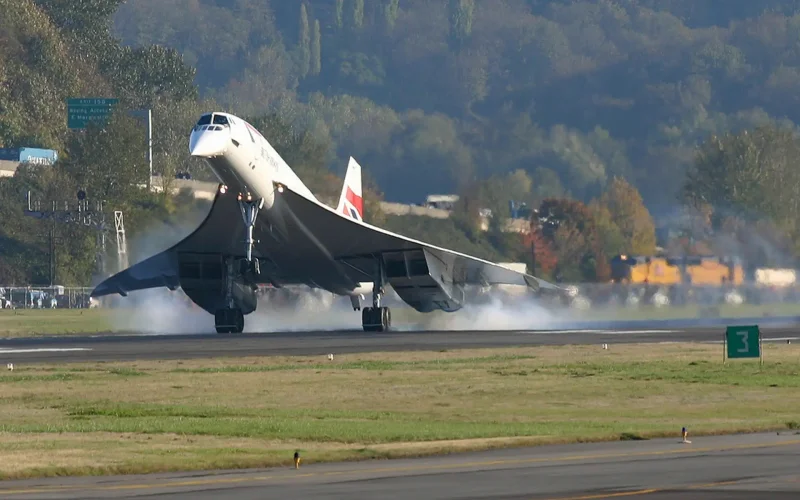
x=250 y=208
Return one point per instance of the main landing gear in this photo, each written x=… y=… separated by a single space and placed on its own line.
x=229 y=320
x=377 y=318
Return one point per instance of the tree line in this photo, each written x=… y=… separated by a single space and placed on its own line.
x=561 y=105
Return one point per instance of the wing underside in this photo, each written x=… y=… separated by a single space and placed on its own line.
x=425 y=276
x=302 y=241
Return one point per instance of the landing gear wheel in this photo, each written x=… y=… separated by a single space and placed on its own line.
x=238 y=321
x=229 y=321
x=376 y=319
x=386 y=318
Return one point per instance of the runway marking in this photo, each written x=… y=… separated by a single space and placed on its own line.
x=410 y=468
x=601 y=496
x=43 y=349
x=610 y=495
x=596 y=332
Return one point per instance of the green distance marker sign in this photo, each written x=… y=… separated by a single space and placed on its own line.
x=743 y=342
x=82 y=111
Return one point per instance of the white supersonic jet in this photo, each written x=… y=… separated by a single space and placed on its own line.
x=266 y=227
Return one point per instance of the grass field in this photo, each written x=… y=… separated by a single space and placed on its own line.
x=96 y=418
x=32 y=322
x=35 y=322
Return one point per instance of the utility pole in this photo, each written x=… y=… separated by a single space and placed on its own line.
x=536 y=226
x=87 y=214
x=52 y=255
x=150 y=149
x=147 y=116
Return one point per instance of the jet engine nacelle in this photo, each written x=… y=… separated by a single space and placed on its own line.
x=203 y=279
x=425 y=280
x=245 y=296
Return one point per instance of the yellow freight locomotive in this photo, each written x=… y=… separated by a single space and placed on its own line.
x=687 y=270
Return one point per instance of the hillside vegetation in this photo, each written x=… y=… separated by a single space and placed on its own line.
x=604 y=114
x=572 y=92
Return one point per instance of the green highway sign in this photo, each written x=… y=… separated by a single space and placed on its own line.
x=743 y=342
x=84 y=110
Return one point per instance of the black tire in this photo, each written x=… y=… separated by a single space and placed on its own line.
x=365 y=319
x=228 y=321
x=371 y=319
x=386 y=319
x=238 y=321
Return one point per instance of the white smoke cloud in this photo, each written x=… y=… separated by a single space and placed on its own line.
x=307 y=309
x=496 y=312
x=160 y=311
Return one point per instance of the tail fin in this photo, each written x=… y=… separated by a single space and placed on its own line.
x=351 y=202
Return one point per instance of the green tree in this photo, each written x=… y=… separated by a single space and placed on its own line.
x=358 y=14
x=316 y=50
x=750 y=174
x=627 y=211
x=612 y=240
x=146 y=75
x=87 y=22
x=82 y=17
x=390 y=11
x=339 y=13
x=109 y=162
x=498 y=191
x=461 y=17
x=304 y=42
x=24 y=242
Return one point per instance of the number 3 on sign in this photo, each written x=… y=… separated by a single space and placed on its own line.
x=745 y=348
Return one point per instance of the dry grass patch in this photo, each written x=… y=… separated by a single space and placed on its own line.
x=166 y=414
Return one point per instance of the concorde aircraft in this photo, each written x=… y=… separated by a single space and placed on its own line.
x=266 y=227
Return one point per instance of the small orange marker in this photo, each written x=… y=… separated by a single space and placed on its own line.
x=296 y=460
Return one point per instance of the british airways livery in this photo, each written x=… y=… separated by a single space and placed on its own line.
x=266 y=227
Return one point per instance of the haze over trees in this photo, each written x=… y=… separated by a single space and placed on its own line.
x=626 y=111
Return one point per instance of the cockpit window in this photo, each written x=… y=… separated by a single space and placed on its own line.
x=220 y=120
x=204 y=120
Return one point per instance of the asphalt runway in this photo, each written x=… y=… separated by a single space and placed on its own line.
x=751 y=467
x=64 y=349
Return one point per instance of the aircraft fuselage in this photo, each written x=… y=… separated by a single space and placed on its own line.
x=247 y=166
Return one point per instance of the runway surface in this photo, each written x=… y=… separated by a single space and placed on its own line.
x=140 y=347
x=724 y=467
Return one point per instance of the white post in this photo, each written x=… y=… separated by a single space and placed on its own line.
x=150 y=148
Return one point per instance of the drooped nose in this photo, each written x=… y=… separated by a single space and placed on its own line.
x=208 y=143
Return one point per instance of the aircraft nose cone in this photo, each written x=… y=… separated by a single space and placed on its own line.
x=207 y=143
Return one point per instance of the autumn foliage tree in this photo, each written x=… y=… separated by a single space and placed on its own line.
x=570 y=229
x=542 y=258
x=627 y=211
x=611 y=239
